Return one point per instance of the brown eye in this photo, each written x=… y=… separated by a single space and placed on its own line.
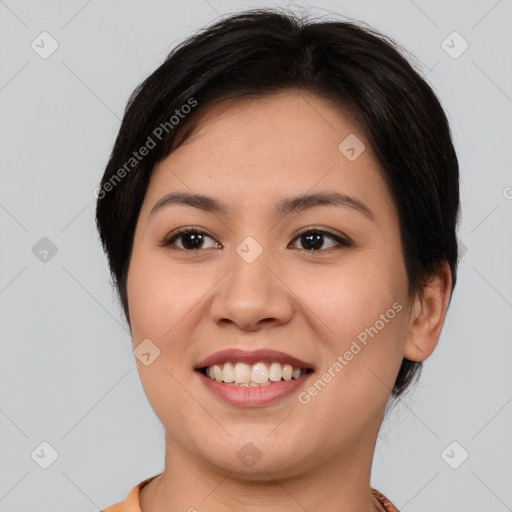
x=314 y=240
x=191 y=240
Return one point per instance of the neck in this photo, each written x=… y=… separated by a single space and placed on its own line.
x=340 y=483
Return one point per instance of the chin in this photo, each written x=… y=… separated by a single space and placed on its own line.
x=254 y=462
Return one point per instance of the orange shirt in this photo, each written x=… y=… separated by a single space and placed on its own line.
x=131 y=503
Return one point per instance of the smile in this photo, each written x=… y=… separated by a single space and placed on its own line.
x=252 y=378
x=255 y=375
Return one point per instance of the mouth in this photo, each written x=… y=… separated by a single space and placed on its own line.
x=253 y=378
x=263 y=373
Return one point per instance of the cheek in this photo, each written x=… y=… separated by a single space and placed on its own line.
x=160 y=294
x=351 y=297
x=360 y=312
x=161 y=303
x=360 y=315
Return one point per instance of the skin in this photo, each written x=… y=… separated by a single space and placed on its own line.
x=314 y=456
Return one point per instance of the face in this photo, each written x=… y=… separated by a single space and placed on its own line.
x=269 y=268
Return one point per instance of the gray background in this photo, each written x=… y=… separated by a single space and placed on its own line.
x=68 y=376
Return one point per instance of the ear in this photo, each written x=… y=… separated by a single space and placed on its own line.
x=427 y=315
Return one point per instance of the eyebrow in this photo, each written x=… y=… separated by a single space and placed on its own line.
x=285 y=207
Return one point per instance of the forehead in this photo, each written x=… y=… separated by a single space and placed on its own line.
x=256 y=128
x=262 y=148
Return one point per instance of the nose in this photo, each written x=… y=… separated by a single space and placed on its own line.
x=252 y=296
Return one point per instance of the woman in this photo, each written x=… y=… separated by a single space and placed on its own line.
x=279 y=213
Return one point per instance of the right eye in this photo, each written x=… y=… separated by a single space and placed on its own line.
x=192 y=239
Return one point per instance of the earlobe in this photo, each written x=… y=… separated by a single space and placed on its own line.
x=428 y=314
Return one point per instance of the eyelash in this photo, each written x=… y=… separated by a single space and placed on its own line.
x=342 y=243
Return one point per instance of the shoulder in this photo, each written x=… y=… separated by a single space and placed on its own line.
x=385 y=502
x=131 y=502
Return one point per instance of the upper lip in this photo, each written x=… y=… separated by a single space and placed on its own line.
x=251 y=357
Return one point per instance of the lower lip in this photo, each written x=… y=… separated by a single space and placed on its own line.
x=244 y=396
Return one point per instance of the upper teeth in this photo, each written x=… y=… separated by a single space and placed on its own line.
x=259 y=373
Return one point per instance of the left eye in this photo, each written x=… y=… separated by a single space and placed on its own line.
x=314 y=240
x=311 y=240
